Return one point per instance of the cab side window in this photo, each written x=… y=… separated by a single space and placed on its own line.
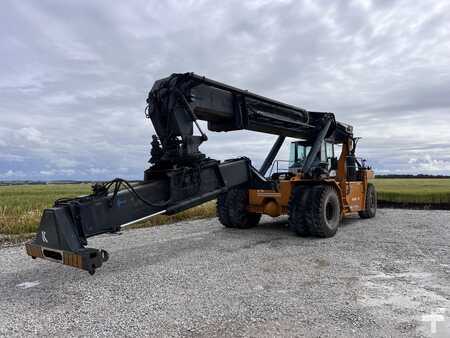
x=327 y=154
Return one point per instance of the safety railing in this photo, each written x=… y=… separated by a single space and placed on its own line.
x=279 y=166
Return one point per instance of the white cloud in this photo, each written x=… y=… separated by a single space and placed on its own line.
x=64 y=162
x=47 y=172
x=73 y=94
x=432 y=165
x=59 y=99
x=57 y=172
x=67 y=172
x=10 y=174
x=31 y=134
x=12 y=158
x=96 y=171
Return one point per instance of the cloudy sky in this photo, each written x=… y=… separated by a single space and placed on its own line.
x=74 y=76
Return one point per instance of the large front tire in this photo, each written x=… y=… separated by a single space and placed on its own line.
x=324 y=211
x=297 y=211
x=371 y=202
x=232 y=209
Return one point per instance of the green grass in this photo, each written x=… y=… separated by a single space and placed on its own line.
x=414 y=190
x=21 y=206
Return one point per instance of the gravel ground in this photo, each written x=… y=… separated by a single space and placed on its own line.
x=376 y=277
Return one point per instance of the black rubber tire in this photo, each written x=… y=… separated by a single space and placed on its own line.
x=323 y=212
x=222 y=210
x=232 y=209
x=297 y=210
x=371 y=202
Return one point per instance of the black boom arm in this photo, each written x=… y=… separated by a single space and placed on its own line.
x=176 y=103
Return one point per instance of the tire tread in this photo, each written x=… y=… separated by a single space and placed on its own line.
x=313 y=215
x=297 y=210
x=231 y=209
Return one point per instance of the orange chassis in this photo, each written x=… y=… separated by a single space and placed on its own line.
x=275 y=202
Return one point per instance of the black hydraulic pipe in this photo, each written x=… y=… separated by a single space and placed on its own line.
x=271 y=155
x=316 y=147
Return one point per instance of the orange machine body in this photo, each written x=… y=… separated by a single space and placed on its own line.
x=274 y=202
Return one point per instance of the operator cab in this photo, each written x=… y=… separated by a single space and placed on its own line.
x=325 y=160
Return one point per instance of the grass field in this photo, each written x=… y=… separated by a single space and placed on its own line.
x=21 y=206
x=415 y=190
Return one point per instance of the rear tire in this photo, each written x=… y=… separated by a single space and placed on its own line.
x=222 y=210
x=371 y=202
x=323 y=214
x=232 y=209
x=297 y=211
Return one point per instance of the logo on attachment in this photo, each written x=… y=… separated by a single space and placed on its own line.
x=44 y=239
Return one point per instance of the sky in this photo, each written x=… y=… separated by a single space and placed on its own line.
x=74 y=76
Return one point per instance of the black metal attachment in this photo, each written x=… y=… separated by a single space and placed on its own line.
x=65 y=228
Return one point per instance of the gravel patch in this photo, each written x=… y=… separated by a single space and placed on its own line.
x=376 y=277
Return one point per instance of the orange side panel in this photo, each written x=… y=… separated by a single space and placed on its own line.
x=271 y=202
x=355 y=196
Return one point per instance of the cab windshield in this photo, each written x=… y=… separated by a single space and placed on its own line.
x=299 y=151
x=297 y=154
